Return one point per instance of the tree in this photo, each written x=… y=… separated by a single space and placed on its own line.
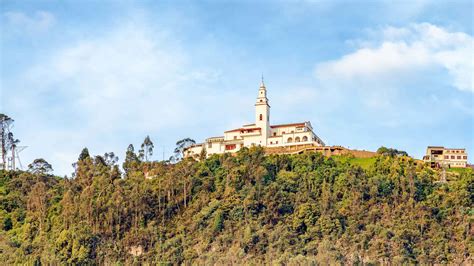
x=130 y=155
x=146 y=150
x=131 y=159
x=84 y=154
x=40 y=166
x=181 y=145
x=110 y=158
x=5 y=137
x=391 y=152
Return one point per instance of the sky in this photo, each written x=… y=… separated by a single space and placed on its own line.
x=105 y=74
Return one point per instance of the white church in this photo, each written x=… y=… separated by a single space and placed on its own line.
x=259 y=133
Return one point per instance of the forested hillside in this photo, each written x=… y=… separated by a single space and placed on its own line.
x=249 y=208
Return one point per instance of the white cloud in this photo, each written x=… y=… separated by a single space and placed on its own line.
x=21 y=22
x=394 y=53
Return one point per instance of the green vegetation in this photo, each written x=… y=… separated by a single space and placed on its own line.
x=391 y=152
x=459 y=170
x=248 y=208
x=364 y=163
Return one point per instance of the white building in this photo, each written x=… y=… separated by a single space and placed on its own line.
x=259 y=133
x=439 y=156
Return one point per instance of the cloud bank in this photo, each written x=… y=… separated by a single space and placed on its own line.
x=396 y=52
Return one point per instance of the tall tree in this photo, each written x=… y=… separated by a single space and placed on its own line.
x=130 y=158
x=146 y=150
x=40 y=166
x=84 y=154
x=181 y=145
x=6 y=123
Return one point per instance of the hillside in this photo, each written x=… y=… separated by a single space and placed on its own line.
x=249 y=208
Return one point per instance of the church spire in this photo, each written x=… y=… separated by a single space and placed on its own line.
x=262 y=114
x=262 y=94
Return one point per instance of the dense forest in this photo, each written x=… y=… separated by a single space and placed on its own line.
x=248 y=208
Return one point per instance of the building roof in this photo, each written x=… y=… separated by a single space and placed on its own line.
x=241 y=129
x=219 y=137
x=289 y=125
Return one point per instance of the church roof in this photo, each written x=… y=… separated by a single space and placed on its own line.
x=289 y=125
x=249 y=125
x=240 y=129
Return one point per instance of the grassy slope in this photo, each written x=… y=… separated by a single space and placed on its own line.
x=364 y=163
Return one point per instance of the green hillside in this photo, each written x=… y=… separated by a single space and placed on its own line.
x=245 y=209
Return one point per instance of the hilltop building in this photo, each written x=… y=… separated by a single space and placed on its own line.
x=259 y=133
x=445 y=157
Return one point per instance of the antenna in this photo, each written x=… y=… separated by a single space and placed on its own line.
x=14 y=157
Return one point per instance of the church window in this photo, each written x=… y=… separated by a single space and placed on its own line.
x=271 y=142
x=274 y=134
x=305 y=138
x=297 y=139
x=261 y=100
x=261 y=117
x=276 y=142
x=292 y=131
x=283 y=132
x=290 y=140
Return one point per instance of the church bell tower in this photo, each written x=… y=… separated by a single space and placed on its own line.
x=262 y=113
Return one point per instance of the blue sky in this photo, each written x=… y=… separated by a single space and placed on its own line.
x=105 y=74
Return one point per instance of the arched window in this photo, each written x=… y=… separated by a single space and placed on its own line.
x=297 y=139
x=283 y=132
x=305 y=139
x=290 y=140
x=261 y=117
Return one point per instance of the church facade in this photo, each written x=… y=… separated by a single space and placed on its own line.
x=260 y=133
